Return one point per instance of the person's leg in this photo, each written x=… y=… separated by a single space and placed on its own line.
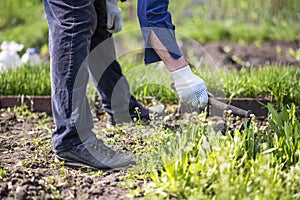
x=111 y=84
x=71 y=25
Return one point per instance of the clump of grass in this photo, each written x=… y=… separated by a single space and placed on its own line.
x=286 y=139
x=26 y=80
x=201 y=164
x=277 y=83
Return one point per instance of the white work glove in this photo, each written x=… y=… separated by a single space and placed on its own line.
x=114 y=17
x=190 y=88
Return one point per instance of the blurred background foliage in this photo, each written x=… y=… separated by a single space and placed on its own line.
x=204 y=20
x=24 y=22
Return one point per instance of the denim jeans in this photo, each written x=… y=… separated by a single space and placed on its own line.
x=80 y=48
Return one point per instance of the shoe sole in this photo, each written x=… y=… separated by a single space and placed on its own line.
x=73 y=164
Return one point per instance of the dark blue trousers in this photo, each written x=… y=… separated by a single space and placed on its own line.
x=80 y=48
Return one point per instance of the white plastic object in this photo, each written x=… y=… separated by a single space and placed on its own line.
x=9 y=58
x=31 y=57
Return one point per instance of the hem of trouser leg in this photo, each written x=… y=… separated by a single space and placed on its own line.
x=73 y=142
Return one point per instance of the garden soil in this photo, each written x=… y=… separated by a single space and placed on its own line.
x=238 y=55
x=28 y=170
x=255 y=54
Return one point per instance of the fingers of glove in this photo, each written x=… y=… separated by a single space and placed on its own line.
x=196 y=96
x=114 y=22
x=117 y=26
x=201 y=96
x=110 y=20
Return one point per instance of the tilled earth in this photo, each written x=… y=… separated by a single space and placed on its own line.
x=28 y=170
x=256 y=54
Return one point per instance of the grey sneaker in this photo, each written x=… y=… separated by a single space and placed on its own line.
x=93 y=153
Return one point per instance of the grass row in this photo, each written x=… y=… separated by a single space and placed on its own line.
x=26 y=80
x=275 y=83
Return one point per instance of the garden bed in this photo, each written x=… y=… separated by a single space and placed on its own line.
x=258 y=54
x=43 y=104
x=34 y=103
x=28 y=170
x=27 y=162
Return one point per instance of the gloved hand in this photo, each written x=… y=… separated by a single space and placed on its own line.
x=190 y=88
x=114 y=18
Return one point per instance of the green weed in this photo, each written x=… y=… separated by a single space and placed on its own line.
x=286 y=138
x=293 y=53
x=277 y=83
x=197 y=163
x=2 y=173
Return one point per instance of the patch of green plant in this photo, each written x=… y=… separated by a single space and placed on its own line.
x=244 y=21
x=26 y=80
x=230 y=20
x=277 y=83
x=294 y=53
x=2 y=173
x=286 y=138
x=198 y=163
x=237 y=31
x=247 y=10
x=24 y=21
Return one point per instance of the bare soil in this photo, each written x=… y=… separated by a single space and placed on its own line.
x=30 y=171
x=254 y=54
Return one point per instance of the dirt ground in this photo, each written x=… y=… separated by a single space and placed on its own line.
x=27 y=167
x=255 y=54
x=237 y=55
x=30 y=171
